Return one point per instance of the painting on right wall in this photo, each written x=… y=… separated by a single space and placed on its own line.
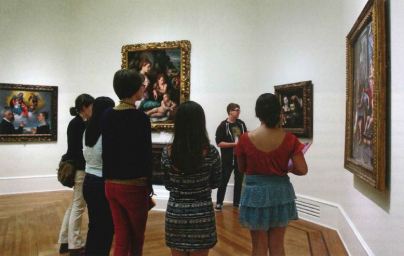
x=366 y=85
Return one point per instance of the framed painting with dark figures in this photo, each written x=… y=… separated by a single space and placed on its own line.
x=166 y=70
x=297 y=107
x=366 y=88
x=29 y=113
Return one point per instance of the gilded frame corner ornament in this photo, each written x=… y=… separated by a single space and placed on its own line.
x=366 y=89
x=297 y=107
x=26 y=102
x=179 y=53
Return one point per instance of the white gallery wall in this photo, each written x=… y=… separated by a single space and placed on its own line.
x=240 y=49
x=34 y=50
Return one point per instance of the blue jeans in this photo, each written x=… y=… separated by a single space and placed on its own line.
x=100 y=226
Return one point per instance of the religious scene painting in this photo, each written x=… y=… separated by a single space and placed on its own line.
x=29 y=113
x=165 y=68
x=296 y=107
x=365 y=132
x=362 y=129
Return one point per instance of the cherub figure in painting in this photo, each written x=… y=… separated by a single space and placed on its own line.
x=167 y=106
x=33 y=100
x=160 y=87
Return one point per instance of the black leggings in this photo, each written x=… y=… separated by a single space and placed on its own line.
x=100 y=226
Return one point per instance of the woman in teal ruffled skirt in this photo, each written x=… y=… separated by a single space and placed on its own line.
x=266 y=156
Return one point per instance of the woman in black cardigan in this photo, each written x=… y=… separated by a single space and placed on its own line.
x=127 y=163
x=70 y=238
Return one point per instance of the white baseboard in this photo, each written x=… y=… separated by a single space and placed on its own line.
x=332 y=215
x=161 y=198
x=315 y=210
x=312 y=209
x=30 y=184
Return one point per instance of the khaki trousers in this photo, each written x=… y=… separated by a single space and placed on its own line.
x=70 y=232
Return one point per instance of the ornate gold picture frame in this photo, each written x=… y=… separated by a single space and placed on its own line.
x=166 y=68
x=297 y=107
x=365 y=128
x=28 y=113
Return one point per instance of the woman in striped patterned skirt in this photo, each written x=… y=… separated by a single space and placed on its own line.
x=192 y=169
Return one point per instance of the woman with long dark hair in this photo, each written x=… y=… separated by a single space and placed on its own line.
x=100 y=226
x=192 y=169
x=268 y=198
x=70 y=238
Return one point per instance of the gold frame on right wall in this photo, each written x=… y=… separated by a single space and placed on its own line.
x=366 y=88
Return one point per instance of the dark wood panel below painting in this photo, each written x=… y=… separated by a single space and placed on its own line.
x=158 y=174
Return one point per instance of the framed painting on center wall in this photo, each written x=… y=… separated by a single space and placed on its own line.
x=297 y=107
x=366 y=88
x=166 y=69
x=28 y=113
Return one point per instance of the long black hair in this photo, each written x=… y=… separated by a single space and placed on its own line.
x=83 y=100
x=93 y=130
x=190 y=136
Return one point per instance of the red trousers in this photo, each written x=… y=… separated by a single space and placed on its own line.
x=129 y=208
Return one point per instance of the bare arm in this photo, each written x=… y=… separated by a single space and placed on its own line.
x=163 y=104
x=226 y=144
x=173 y=105
x=299 y=165
x=216 y=172
x=164 y=88
x=170 y=106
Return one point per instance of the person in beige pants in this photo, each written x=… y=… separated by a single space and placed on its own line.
x=70 y=232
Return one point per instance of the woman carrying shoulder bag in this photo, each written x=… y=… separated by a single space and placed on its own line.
x=70 y=238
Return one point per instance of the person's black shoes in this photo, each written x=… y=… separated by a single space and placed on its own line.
x=64 y=248
x=218 y=207
x=77 y=252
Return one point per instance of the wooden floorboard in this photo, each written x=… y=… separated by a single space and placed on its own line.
x=30 y=223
